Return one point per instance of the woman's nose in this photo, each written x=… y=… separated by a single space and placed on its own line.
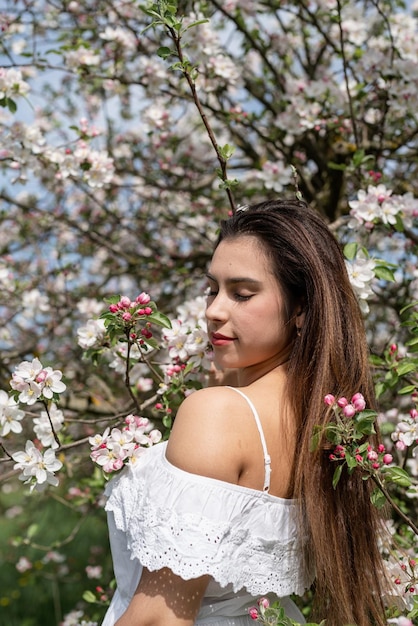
x=215 y=308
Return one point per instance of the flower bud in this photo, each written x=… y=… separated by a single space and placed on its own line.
x=253 y=612
x=387 y=459
x=342 y=402
x=124 y=303
x=358 y=402
x=349 y=410
x=143 y=298
x=329 y=399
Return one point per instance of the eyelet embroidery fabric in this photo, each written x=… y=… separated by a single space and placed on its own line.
x=195 y=525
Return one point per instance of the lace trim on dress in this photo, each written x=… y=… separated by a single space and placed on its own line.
x=167 y=518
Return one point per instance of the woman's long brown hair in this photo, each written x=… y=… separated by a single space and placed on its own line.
x=329 y=356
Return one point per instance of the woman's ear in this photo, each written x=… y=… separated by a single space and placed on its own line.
x=299 y=317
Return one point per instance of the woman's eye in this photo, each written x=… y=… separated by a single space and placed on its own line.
x=241 y=298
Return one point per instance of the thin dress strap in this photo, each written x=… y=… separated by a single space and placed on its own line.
x=267 y=459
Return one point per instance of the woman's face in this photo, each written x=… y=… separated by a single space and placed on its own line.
x=245 y=308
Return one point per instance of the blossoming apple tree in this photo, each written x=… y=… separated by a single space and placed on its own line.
x=128 y=130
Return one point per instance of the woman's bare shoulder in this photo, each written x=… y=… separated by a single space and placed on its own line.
x=206 y=436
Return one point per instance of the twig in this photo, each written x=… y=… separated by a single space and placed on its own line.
x=176 y=37
x=388 y=497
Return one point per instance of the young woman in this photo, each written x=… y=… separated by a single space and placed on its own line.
x=236 y=506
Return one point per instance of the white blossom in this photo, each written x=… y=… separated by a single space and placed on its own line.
x=42 y=426
x=275 y=175
x=12 y=83
x=37 y=468
x=91 y=335
x=10 y=415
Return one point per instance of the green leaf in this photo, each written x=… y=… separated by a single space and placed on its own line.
x=377 y=498
x=152 y=343
x=336 y=166
x=365 y=422
x=369 y=413
x=360 y=158
x=384 y=273
x=226 y=151
x=11 y=105
x=397 y=476
x=164 y=52
x=112 y=299
x=89 y=596
x=409 y=306
x=350 y=250
x=405 y=367
x=160 y=319
x=228 y=184
x=197 y=23
x=32 y=530
x=399 y=225
x=350 y=460
x=406 y=390
x=376 y=360
x=337 y=475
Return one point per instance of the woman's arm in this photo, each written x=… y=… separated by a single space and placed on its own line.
x=164 y=599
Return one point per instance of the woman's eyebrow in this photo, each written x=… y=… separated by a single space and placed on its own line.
x=236 y=280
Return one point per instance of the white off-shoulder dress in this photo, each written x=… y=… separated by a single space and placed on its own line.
x=248 y=541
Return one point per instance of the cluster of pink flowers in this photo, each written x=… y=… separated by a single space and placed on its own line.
x=375 y=457
x=130 y=312
x=349 y=409
x=119 y=446
x=410 y=573
x=257 y=612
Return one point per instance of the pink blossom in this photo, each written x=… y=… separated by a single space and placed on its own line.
x=372 y=455
x=94 y=571
x=124 y=303
x=253 y=612
x=329 y=399
x=127 y=317
x=41 y=377
x=342 y=402
x=387 y=459
x=143 y=298
x=23 y=565
x=349 y=410
x=358 y=402
x=113 y=308
x=264 y=602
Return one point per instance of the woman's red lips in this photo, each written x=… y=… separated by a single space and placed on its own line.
x=220 y=340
